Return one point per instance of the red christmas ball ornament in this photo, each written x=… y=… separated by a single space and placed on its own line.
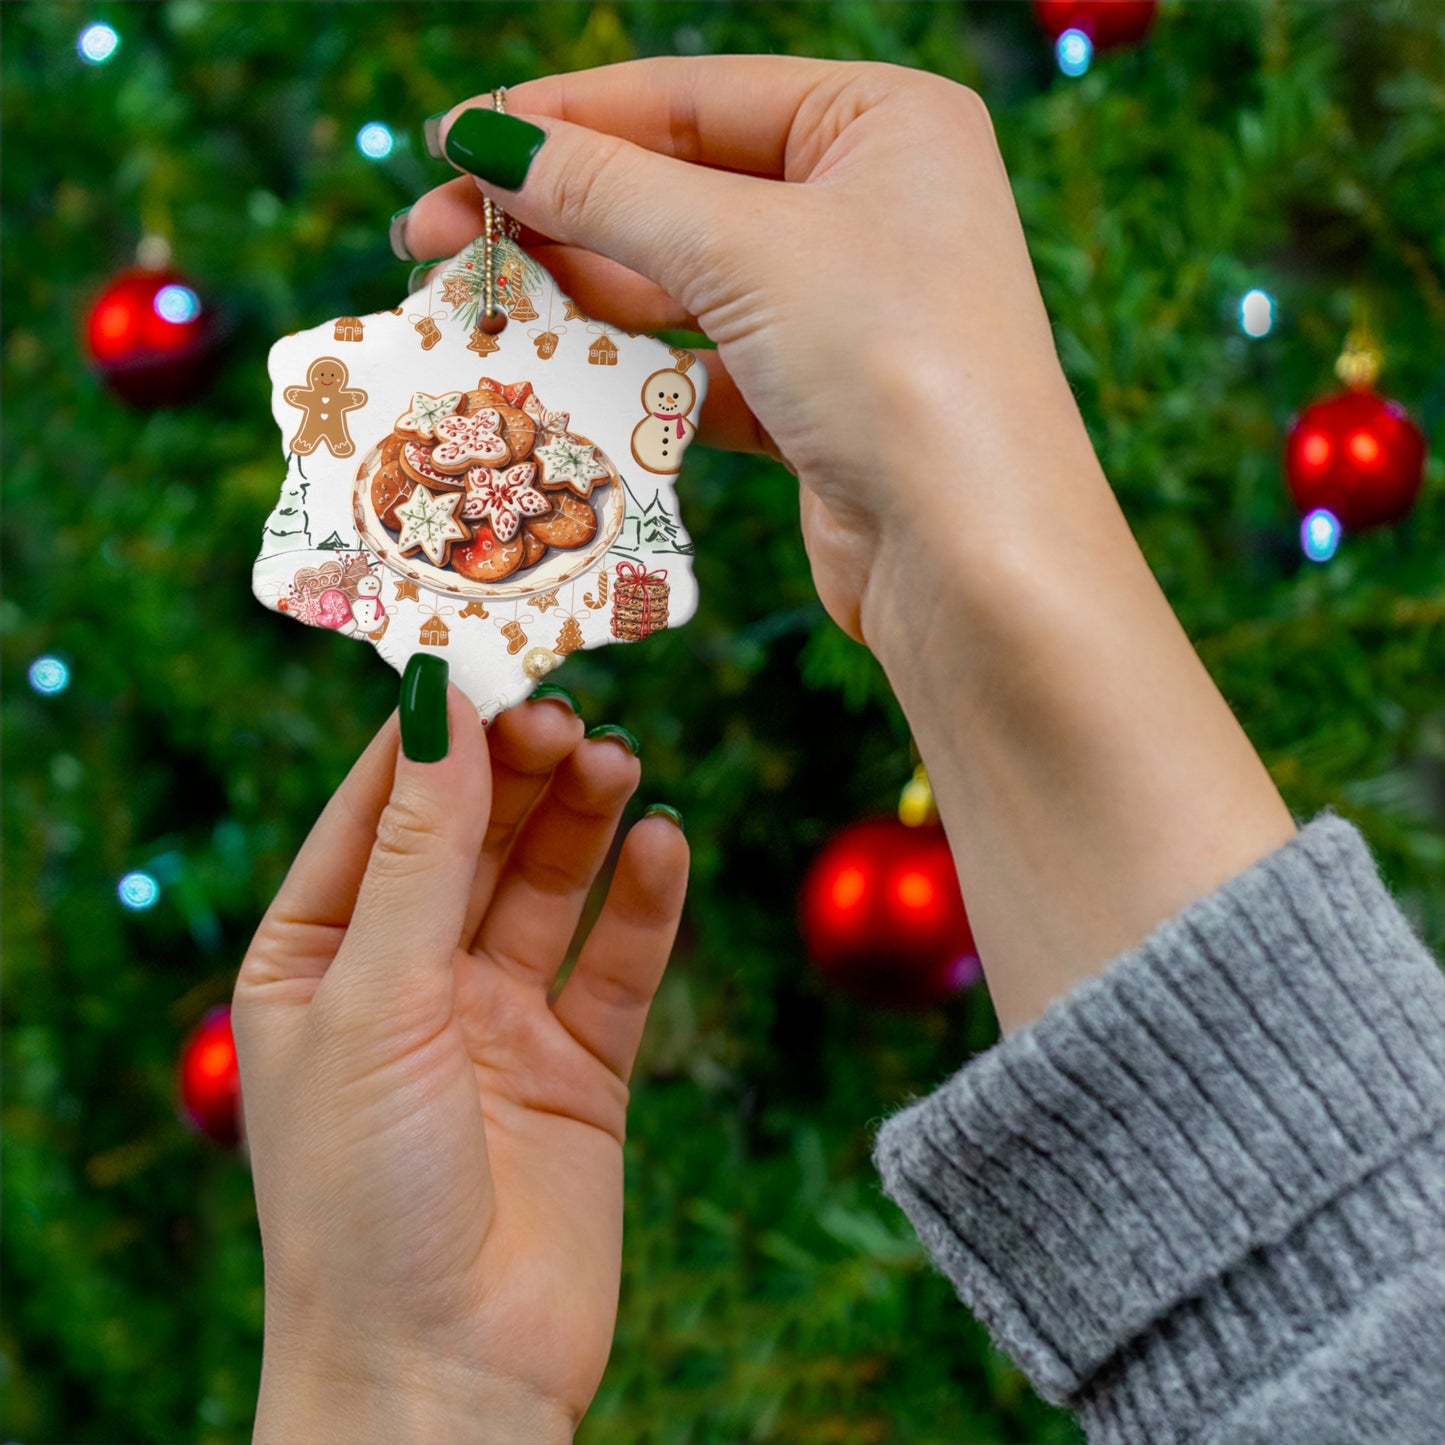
x=151 y=337
x=1358 y=455
x=1107 y=23
x=883 y=917
x=210 y=1080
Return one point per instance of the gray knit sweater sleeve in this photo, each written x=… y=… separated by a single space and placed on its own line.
x=1202 y=1198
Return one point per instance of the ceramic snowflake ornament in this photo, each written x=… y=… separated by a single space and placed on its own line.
x=508 y=498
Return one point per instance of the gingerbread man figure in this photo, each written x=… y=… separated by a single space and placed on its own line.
x=324 y=400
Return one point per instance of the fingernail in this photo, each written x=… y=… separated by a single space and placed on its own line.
x=498 y=148
x=431 y=133
x=424 y=736
x=662 y=810
x=396 y=234
x=420 y=270
x=614 y=730
x=550 y=689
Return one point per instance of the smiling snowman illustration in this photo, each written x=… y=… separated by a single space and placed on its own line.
x=367 y=611
x=661 y=437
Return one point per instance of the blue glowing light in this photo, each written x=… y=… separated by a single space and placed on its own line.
x=178 y=304
x=1256 y=313
x=1319 y=535
x=1074 y=52
x=375 y=140
x=97 y=43
x=49 y=675
x=138 y=891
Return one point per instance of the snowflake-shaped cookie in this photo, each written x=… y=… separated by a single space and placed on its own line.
x=549 y=423
x=571 y=464
x=429 y=524
x=426 y=411
x=463 y=441
x=505 y=497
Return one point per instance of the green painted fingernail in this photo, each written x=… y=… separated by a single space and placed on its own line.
x=424 y=733
x=396 y=234
x=431 y=133
x=550 y=689
x=662 y=810
x=615 y=730
x=498 y=148
x=420 y=270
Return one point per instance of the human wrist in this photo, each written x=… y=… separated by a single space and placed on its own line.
x=405 y=1399
x=1072 y=735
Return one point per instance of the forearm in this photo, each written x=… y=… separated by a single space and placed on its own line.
x=1091 y=778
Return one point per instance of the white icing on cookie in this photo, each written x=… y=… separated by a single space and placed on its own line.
x=463 y=441
x=571 y=464
x=426 y=411
x=504 y=497
x=429 y=523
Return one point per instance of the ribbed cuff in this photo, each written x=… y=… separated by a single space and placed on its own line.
x=1208 y=1151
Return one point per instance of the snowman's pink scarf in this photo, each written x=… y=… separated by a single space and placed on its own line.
x=663 y=416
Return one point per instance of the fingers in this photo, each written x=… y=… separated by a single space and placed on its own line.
x=735 y=112
x=604 y=1002
x=605 y=195
x=396 y=960
x=526 y=744
x=299 y=934
x=542 y=889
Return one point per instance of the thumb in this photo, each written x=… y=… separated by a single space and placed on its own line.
x=663 y=218
x=406 y=926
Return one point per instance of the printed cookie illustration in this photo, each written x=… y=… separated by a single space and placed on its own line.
x=426 y=411
x=324 y=402
x=661 y=437
x=429 y=503
x=566 y=462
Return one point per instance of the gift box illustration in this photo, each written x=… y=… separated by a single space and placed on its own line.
x=507 y=497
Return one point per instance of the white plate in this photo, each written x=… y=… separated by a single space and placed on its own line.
x=608 y=501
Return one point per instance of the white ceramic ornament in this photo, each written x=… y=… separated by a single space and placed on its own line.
x=505 y=499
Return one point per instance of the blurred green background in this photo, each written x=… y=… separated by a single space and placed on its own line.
x=770 y=1292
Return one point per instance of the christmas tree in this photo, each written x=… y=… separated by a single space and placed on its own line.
x=162 y=728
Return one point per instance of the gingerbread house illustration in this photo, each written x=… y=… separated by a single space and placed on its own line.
x=433 y=632
x=602 y=352
x=348 y=328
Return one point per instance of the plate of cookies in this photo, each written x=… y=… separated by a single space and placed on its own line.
x=487 y=493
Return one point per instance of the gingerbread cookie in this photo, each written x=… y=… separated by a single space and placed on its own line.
x=519 y=431
x=465 y=441
x=503 y=497
x=568 y=461
x=534 y=549
x=570 y=523
x=416 y=462
x=324 y=402
x=429 y=524
x=483 y=396
x=419 y=423
x=486 y=558
x=514 y=393
x=391 y=485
